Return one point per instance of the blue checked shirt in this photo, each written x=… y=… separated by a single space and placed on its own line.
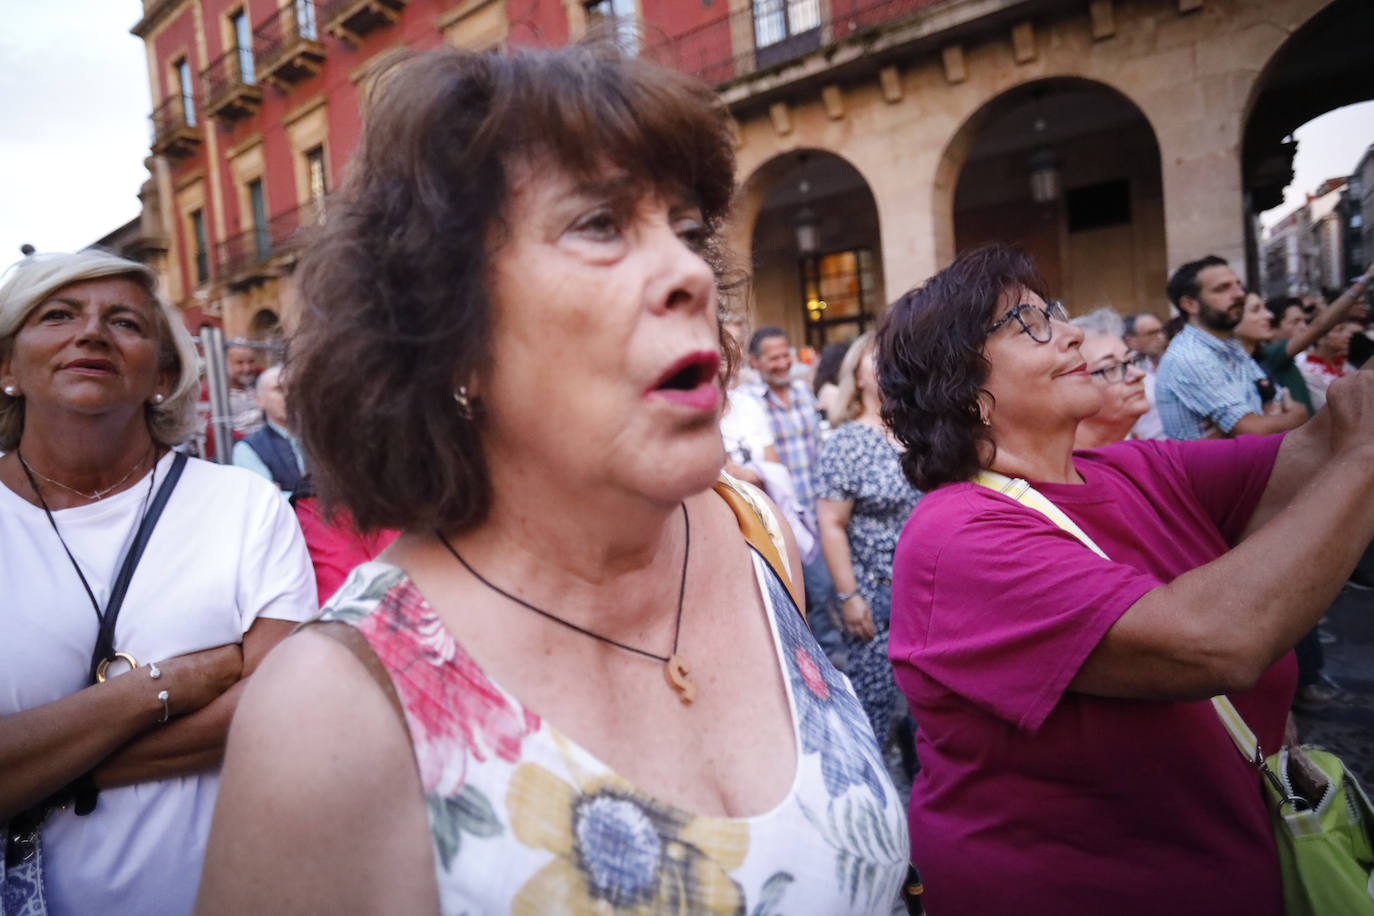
x=1204 y=380
x=796 y=434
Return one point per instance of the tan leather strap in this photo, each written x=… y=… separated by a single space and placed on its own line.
x=355 y=642
x=754 y=526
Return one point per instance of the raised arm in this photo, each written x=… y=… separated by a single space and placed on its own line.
x=1216 y=628
x=1330 y=316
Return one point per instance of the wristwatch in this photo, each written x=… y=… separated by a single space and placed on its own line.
x=842 y=597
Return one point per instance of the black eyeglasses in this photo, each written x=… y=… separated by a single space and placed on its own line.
x=1116 y=372
x=1034 y=320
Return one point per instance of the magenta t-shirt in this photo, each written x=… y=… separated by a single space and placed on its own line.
x=1034 y=800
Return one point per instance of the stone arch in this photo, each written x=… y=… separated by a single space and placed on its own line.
x=264 y=325
x=1320 y=65
x=956 y=151
x=833 y=292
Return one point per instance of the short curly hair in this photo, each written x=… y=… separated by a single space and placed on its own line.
x=931 y=367
x=395 y=286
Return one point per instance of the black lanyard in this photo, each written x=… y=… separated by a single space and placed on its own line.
x=104 y=645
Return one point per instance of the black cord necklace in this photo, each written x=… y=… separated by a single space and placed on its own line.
x=90 y=593
x=675 y=667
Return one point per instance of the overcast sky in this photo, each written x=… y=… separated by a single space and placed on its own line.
x=74 y=107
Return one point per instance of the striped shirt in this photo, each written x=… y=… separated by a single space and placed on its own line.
x=796 y=433
x=1203 y=380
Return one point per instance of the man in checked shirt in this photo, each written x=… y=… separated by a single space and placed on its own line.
x=791 y=409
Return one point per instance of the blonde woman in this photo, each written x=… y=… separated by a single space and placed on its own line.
x=864 y=501
x=110 y=755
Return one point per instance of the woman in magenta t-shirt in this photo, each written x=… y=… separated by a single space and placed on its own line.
x=1071 y=763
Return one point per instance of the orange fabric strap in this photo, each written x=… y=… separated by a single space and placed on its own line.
x=755 y=530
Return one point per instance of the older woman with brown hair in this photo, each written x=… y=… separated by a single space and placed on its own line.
x=1060 y=619
x=112 y=722
x=1120 y=374
x=570 y=685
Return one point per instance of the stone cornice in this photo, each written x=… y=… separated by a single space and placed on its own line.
x=154 y=13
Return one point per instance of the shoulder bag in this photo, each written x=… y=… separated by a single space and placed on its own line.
x=1322 y=820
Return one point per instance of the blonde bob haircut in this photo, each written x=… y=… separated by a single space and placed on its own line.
x=32 y=281
x=849 y=398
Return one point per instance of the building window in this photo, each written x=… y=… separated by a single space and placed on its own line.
x=777 y=20
x=188 y=98
x=315 y=172
x=615 y=19
x=838 y=292
x=262 y=241
x=202 y=249
x=305 y=19
x=243 y=43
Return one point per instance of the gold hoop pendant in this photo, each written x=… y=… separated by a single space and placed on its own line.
x=675 y=670
x=105 y=663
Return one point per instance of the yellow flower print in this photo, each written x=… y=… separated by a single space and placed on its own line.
x=617 y=851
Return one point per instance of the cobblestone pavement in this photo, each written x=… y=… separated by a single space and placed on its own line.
x=1345 y=726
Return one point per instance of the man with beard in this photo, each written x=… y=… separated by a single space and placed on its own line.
x=1206 y=380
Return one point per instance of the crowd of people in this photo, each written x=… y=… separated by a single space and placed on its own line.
x=645 y=631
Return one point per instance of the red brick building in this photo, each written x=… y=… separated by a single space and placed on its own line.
x=1112 y=138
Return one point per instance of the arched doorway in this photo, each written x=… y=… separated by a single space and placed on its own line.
x=265 y=327
x=1324 y=65
x=1069 y=170
x=815 y=251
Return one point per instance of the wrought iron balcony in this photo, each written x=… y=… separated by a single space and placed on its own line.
x=231 y=90
x=771 y=33
x=176 y=131
x=351 y=19
x=266 y=251
x=287 y=46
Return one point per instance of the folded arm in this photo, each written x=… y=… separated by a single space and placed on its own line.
x=194 y=742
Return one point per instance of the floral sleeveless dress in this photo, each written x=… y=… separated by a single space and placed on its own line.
x=525 y=821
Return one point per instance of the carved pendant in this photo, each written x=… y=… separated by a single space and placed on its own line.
x=675 y=670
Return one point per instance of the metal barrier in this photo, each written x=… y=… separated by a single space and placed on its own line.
x=213 y=347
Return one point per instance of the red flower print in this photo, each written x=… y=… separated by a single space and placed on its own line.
x=811 y=674
x=452 y=708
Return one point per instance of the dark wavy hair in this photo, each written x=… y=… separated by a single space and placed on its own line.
x=396 y=310
x=931 y=366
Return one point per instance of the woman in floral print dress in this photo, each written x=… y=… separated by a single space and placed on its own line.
x=864 y=500
x=608 y=702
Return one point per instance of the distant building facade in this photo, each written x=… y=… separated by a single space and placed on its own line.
x=1112 y=139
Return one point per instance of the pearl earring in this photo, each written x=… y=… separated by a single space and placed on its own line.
x=158 y=398
x=11 y=391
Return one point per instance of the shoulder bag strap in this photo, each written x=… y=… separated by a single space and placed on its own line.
x=104 y=643
x=1031 y=498
x=757 y=526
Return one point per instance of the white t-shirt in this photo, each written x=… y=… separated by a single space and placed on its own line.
x=226 y=551
x=745 y=427
x=1318 y=376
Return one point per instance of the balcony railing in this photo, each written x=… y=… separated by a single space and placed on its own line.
x=262 y=250
x=774 y=32
x=287 y=45
x=176 y=132
x=351 y=19
x=231 y=90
